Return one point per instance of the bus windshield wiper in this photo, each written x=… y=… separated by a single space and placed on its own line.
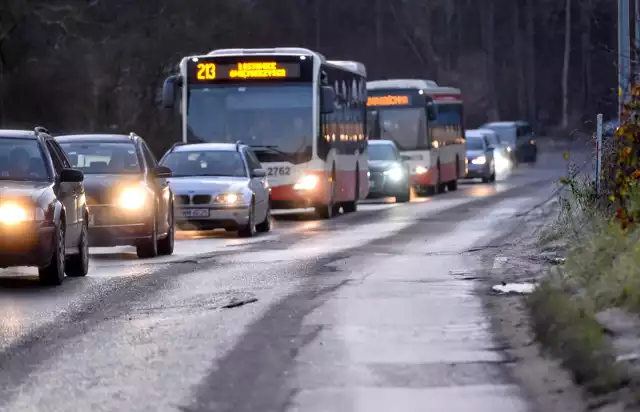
x=267 y=147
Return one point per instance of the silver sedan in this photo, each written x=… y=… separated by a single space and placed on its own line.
x=218 y=185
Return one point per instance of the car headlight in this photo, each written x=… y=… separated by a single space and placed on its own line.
x=395 y=174
x=229 y=198
x=306 y=182
x=132 y=198
x=480 y=160
x=420 y=170
x=509 y=149
x=13 y=213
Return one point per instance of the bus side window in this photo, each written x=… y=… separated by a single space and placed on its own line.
x=373 y=124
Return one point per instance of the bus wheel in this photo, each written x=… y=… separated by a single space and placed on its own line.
x=330 y=210
x=350 y=207
x=440 y=187
x=452 y=185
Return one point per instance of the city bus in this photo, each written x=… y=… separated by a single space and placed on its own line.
x=304 y=116
x=425 y=121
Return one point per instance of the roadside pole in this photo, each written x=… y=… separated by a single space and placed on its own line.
x=598 y=152
x=624 y=55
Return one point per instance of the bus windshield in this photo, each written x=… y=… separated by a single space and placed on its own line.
x=449 y=114
x=404 y=126
x=276 y=120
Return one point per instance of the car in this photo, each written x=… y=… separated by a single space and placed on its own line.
x=128 y=194
x=219 y=186
x=480 y=157
x=389 y=174
x=43 y=213
x=500 y=154
x=520 y=139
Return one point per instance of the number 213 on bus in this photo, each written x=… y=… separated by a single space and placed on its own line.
x=206 y=71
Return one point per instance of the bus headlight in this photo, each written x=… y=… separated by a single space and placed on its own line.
x=306 y=182
x=480 y=160
x=420 y=170
x=12 y=213
x=396 y=174
x=132 y=198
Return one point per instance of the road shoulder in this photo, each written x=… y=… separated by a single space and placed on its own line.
x=513 y=257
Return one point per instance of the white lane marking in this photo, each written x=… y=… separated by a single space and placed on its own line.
x=499 y=262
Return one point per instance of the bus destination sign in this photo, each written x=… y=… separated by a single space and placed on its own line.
x=209 y=71
x=389 y=100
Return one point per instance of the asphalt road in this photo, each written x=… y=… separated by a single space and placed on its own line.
x=373 y=311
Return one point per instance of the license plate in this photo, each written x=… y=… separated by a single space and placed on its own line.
x=194 y=212
x=92 y=219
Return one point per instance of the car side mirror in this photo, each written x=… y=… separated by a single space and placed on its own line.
x=71 y=176
x=328 y=100
x=162 y=172
x=258 y=173
x=405 y=158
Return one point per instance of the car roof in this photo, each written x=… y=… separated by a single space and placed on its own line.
x=231 y=147
x=18 y=134
x=116 y=138
x=473 y=133
x=504 y=124
x=381 y=142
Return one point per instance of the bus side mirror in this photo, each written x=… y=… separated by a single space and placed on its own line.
x=169 y=92
x=431 y=112
x=328 y=97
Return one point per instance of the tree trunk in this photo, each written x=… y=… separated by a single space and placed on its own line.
x=488 y=23
x=521 y=97
x=565 y=65
x=586 y=54
x=530 y=66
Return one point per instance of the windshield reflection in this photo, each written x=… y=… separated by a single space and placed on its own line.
x=278 y=119
x=381 y=152
x=406 y=127
x=205 y=163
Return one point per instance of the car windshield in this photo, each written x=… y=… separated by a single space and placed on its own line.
x=381 y=152
x=205 y=163
x=23 y=160
x=406 y=127
x=103 y=157
x=475 y=143
x=280 y=117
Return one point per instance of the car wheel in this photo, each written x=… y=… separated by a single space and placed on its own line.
x=148 y=248
x=53 y=273
x=265 y=226
x=78 y=265
x=166 y=245
x=249 y=229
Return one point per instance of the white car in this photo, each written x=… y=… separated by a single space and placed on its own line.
x=502 y=152
x=218 y=186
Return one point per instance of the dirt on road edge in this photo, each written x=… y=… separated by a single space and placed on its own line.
x=514 y=258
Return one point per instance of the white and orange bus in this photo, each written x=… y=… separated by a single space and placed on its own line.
x=426 y=123
x=304 y=116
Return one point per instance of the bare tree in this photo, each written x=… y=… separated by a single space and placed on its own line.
x=565 y=65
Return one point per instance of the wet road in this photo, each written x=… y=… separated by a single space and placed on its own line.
x=374 y=311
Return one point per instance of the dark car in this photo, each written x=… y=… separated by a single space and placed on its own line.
x=388 y=173
x=480 y=157
x=519 y=137
x=43 y=213
x=130 y=202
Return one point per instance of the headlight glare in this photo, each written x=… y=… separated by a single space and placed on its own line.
x=394 y=174
x=132 y=198
x=420 y=170
x=480 y=160
x=229 y=198
x=13 y=213
x=306 y=182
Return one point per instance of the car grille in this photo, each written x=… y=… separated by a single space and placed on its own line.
x=201 y=199
x=111 y=215
x=183 y=199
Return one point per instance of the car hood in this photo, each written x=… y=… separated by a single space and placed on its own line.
x=382 y=165
x=207 y=184
x=23 y=190
x=102 y=189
